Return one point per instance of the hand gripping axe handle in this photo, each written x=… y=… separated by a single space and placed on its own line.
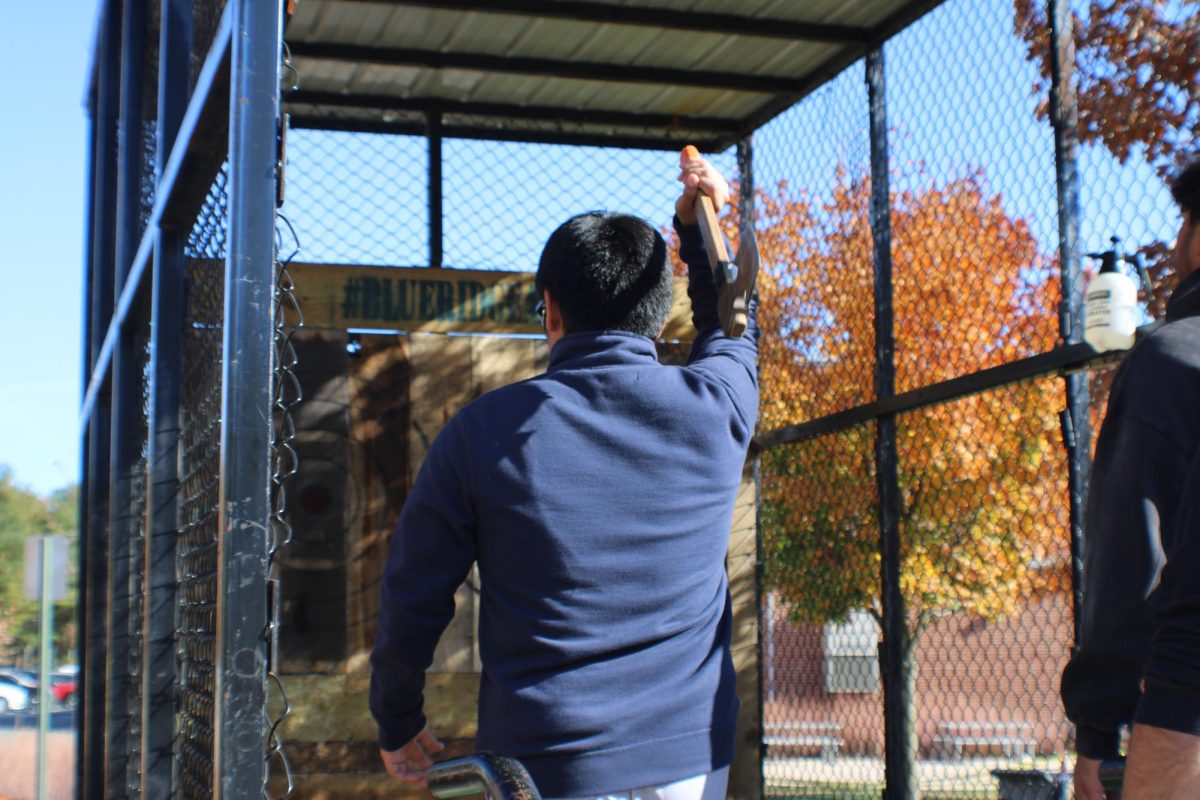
x=736 y=278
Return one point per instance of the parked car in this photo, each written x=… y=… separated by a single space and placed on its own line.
x=21 y=677
x=13 y=696
x=63 y=688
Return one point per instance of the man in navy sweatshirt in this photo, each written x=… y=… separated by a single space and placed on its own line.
x=1139 y=650
x=597 y=501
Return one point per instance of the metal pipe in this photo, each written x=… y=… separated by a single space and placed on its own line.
x=436 y=188
x=746 y=211
x=498 y=777
x=898 y=767
x=244 y=523
x=1064 y=116
x=164 y=385
x=93 y=551
x=129 y=138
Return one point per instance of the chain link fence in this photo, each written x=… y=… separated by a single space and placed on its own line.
x=985 y=551
x=198 y=546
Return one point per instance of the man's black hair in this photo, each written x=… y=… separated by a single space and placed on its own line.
x=607 y=272
x=1186 y=189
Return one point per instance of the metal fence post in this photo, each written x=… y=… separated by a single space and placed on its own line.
x=745 y=160
x=1076 y=422
x=249 y=343
x=93 y=552
x=898 y=771
x=434 y=140
x=166 y=318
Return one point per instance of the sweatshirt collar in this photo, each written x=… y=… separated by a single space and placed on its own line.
x=1185 y=300
x=601 y=349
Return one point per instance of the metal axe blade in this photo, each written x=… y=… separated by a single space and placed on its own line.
x=733 y=301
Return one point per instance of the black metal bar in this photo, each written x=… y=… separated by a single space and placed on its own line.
x=84 y=498
x=126 y=405
x=101 y=269
x=434 y=140
x=129 y=139
x=746 y=210
x=426 y=105
x=897 y=708
x=194 y=132
x=621 y=141
x=1065 y=359
x=556 y=68
x=158 y=674
x=164 y=378
x=249 y=345
x=1064 y=116
x=94 y=596
x=671 y=19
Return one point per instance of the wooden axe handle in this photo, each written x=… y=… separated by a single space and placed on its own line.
x=706 y=217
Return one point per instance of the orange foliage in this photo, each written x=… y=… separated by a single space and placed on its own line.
x=1138 y=78
x=983 y=488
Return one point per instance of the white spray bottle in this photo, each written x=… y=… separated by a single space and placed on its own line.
x=1110 y=319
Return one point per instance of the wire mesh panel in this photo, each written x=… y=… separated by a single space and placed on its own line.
x=985 y=576
x=973 y=216
x=822 y=700
x=813 y=228
x=197 y=547
x=504 y=199
x=359 y=198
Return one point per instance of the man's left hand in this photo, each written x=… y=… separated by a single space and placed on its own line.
x=411 y=762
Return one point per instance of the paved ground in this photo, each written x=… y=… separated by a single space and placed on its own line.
x=18 y=760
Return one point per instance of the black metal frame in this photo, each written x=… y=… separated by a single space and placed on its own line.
x=135 y=284
x=135 y=281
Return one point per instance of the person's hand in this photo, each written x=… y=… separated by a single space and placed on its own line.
x=412 y=761
x=1087 y=781
x=697 y=175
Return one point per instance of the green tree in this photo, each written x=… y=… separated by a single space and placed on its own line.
x=24 y=514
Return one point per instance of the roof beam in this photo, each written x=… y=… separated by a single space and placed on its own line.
x=670 y=122
x=653 y=17
x=582 y=70
x=621 y=141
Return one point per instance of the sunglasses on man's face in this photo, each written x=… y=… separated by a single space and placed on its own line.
x=540 y=310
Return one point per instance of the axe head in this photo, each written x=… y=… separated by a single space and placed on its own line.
x=733 y=302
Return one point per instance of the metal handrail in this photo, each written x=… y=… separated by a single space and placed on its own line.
x=498 y=777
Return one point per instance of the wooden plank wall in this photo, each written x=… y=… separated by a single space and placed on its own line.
x=384 y=398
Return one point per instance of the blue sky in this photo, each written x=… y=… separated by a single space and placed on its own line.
x=44 y=56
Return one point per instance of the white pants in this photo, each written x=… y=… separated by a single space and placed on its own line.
x=701 y=787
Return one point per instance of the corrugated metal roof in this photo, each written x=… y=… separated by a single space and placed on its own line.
x=616 y=72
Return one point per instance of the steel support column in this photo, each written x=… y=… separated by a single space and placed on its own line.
x=93 y=551
x=898 y=762
x=745 y=162
x=126 y=405
x=246 y=431
x=436 y=235
x=1076 y=422
x=166 y=319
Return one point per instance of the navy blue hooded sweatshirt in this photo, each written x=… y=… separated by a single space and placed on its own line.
x=1141 y=602
x=597 y=500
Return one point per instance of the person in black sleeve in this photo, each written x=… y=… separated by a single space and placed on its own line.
x=1139 y=646
x=597 y=500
